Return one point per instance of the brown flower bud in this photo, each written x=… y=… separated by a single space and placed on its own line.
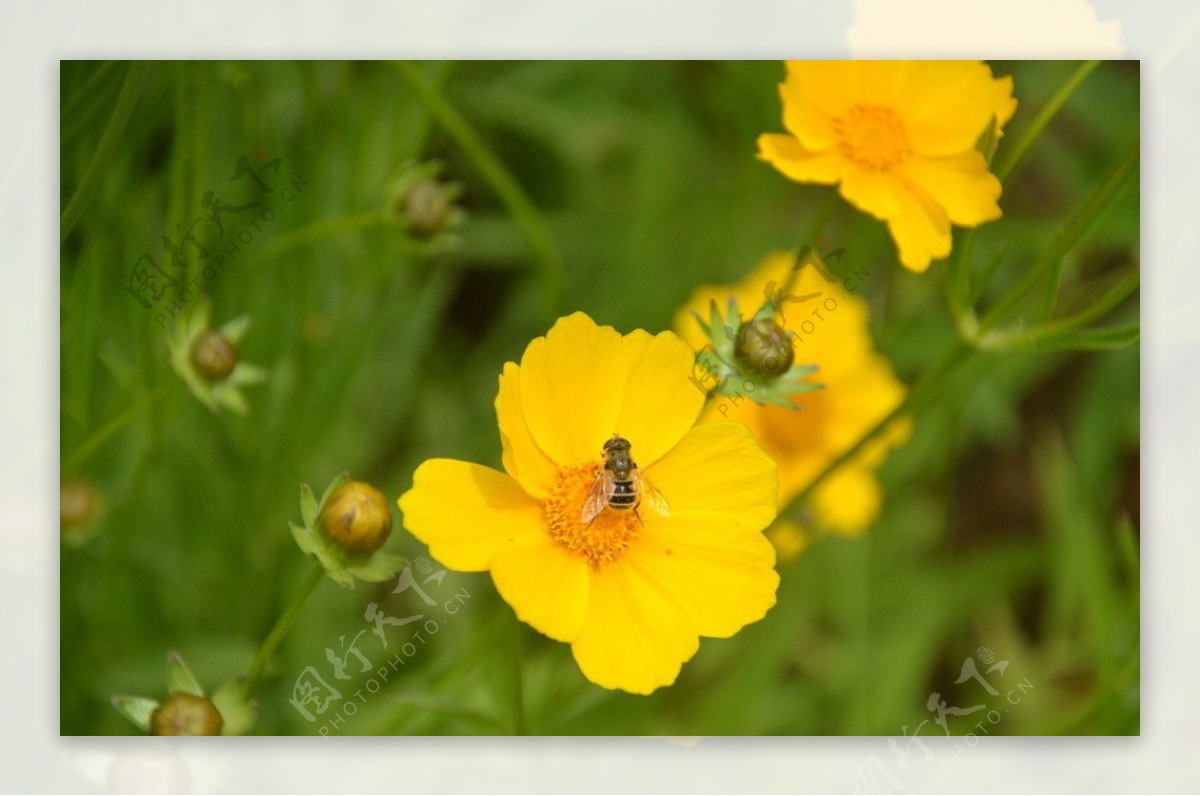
x=213 y=355
x=765 y=347
x=182 y=713
x=357 y=517
x=426 y=208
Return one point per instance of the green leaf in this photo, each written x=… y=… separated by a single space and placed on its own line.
x=180 y=677
x=137 y=709
x=800 y=371
x=308 y=506
x=342 y=478
x=235 y=330
x=305 y=538
x=334 y=567
x=246 y=374
x=378 y=567
x=231 y=398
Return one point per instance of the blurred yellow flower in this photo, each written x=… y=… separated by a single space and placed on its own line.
x=899 y=139
x=830 y=324
x=631 y=592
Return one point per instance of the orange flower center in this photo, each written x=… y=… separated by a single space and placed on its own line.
x=601 y=541
x=873 y=136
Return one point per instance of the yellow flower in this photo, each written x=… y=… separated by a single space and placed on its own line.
x=631 y=593
x=899 y=138
x=830 y=324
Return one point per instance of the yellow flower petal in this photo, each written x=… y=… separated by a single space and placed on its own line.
x=948 y=104
x=466 y=512
x=719 y=468
x=522 y=457
x=659 y=403
x=872 y=191
x=545 y=585
x=572 y=385
x=880 y=82
x=826 y=85
x=723 y=574
x=809 y=109
x=793 y=160
x=961 y=184
x=920 y=227
x=638 y=634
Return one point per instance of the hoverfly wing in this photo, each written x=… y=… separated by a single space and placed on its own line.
x=597 y=498
x=650 y=495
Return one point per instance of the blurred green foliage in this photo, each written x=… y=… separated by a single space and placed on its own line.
x=1011 y=519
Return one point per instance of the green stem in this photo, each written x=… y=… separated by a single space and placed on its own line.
x=1079 y=223
x=1050 y=291
x=524 y=212
x=960 y=275
x=989 y=270
x=1069 y=333
x=1106 y=303
x=1045 y=339
x=1043 y=119
x=282 y=626
x=926 y=387
x=520 y=726
x=820 y=221
x=425 y=123
x=110 y=429
x=960 y=266
x=130 y=91
x=319 y=230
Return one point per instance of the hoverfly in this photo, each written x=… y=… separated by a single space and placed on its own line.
x=620 y=485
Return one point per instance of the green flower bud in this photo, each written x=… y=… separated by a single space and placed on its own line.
x=426 y=209
x=214 y=356
x=765 y=347
x=186 y=714
x=357 y=517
